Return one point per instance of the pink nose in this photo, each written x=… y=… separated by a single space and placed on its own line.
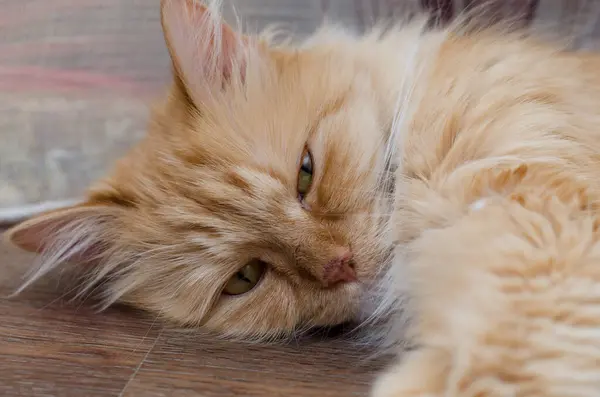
x=340 y=269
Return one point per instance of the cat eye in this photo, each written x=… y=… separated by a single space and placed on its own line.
x=246 y=278
x=305 y=174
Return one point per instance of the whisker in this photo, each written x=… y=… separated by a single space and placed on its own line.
x=373 y=191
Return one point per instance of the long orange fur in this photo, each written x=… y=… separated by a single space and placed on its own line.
x=494 y=223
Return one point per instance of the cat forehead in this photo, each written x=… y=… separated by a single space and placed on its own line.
x=267 y=129
x=261 y=129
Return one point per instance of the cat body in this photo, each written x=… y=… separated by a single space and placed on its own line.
x=497 y=224
x=281 y=186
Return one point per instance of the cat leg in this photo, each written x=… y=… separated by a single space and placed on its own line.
x=419 y=373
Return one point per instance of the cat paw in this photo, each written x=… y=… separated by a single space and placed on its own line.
x=420 y=373
x=389 y=384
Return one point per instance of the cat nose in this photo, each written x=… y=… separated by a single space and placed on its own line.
x=340 y=269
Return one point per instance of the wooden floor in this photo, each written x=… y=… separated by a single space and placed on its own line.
x=49 y=347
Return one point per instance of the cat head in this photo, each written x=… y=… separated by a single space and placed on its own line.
x=257 y=203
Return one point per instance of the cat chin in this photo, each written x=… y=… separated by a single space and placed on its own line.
x=352 y=293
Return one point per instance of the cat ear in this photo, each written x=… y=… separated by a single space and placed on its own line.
x=79 y=232
x=206 y=52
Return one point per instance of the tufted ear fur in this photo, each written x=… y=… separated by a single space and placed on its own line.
x=80 y=232
x=206 y=52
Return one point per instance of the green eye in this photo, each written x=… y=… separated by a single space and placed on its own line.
x=246 y=278
x=305 y=174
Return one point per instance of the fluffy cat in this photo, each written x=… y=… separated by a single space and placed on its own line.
x=262 y=200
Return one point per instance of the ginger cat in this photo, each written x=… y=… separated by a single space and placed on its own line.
x=281 y=187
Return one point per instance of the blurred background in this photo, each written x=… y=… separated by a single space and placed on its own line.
x=77 y=76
